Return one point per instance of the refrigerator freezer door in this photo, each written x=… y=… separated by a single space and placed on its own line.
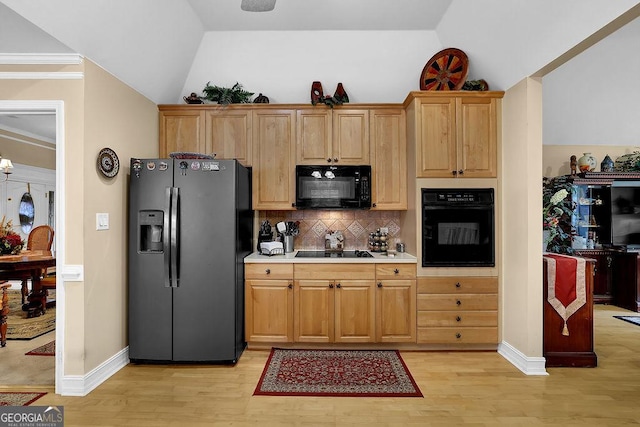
x=150 y=302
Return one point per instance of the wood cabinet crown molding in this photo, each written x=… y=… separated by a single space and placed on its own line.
x=198 y=107
x=449 y=94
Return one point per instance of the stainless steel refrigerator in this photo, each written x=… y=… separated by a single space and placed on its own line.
x=190 y=227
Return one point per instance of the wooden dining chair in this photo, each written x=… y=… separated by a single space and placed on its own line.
x=4 y=311
x=40 y=239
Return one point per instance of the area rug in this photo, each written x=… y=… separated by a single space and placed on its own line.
x=18 y=398
x=353 y=373
x=19 y=327
x=631 y=319
x=49 y=349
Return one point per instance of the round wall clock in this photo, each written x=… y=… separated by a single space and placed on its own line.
x=446 y=70
x=108 y=162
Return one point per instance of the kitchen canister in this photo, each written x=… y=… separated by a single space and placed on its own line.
x=587 y=163
x=288 y=243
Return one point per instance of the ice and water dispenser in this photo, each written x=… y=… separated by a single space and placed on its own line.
x=151 y=225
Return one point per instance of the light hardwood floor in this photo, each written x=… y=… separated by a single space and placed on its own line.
x=470 y=389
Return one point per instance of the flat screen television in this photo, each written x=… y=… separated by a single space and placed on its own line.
x=625 y=216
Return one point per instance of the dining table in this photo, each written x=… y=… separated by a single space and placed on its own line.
x=29 y=264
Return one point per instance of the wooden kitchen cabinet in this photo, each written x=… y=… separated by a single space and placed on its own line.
x=228 y=134
x=334 y=303
x=269 y=302
x=332 y=136
x=455 y=133
x=314 y=136
x=208 y=129
x=454 y=311
x=273 y=134
x=396 y=303
x=388 y=159
x=350 y=136
x=181 y=129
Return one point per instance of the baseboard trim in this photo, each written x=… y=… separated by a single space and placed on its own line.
x=528 y=365
x=81 y=385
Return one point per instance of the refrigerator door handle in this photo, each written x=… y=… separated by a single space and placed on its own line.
x=175 y=274
x=166 y=244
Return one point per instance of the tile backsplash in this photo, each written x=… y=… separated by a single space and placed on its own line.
x=354 y=224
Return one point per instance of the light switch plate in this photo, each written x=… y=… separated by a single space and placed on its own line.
x=102 y=221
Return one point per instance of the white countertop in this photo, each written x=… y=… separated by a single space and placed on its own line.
x=290 y=257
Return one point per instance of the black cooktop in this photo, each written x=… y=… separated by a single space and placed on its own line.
x=343 y=254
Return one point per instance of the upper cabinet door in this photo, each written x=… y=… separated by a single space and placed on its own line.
x=389 y=159
x=350 y=137
x=436 y=151
x=314 y=137
x=477 y=137
x=456 y=134
x=228 y=134
x=274 y=159
x=182 y=130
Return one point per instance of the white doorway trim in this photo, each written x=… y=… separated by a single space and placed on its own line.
x=57 y=108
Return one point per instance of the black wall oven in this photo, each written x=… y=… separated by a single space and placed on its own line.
x=458 y=227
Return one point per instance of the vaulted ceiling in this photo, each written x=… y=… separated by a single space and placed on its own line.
x=151 y=44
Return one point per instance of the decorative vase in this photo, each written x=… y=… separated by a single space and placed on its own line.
x=341 y=95
x=607 y=164
x=628 y=162
x=316 y=93
x=587 y=163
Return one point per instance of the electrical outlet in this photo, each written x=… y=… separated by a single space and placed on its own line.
x=384 y=230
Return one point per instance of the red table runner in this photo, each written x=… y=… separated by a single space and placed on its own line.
x=566 y=286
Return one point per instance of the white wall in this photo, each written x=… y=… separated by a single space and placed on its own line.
x=372 y=66
x=593 y=99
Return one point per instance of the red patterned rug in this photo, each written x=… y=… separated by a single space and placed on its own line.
x=49 y=349
x=353 y=373
x=18 y=398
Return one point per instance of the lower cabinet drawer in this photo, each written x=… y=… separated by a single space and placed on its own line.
x=457 y=318
x=268 y=271
x=457 y=335
x=440 y=302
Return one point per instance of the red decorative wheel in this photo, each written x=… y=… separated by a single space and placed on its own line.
x=446 y=70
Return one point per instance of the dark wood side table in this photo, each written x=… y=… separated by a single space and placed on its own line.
x=576 y=349
x=603 y=273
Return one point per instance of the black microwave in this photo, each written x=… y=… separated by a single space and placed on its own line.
x=333 y=187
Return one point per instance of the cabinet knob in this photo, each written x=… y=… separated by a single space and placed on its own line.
x=338 y=286
x=335 y=160
x=396 y=271
x=268 y=271
x=329 y=160
x=458 y=335
x=458 y=302
x=379 y=284
x=458 y=285
x=290 y=286
x=458 y=318
x=373 y=205
x=460 y=172
x=454 y=173
x=330 y=285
